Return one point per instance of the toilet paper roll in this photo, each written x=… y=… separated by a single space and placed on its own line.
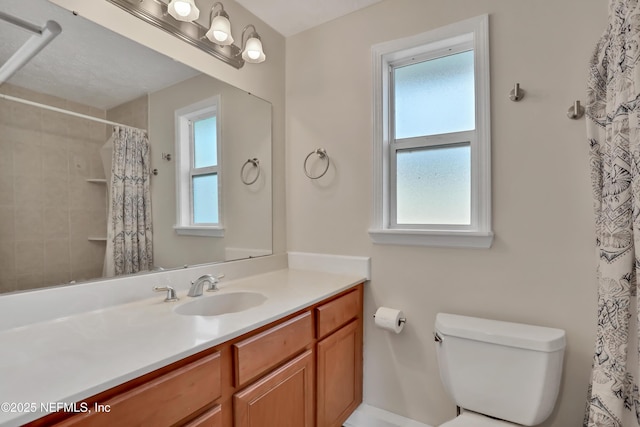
x=390 y=319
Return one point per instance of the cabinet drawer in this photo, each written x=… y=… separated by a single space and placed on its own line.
x=340 y=311
x=257 y=354
x=162 y=401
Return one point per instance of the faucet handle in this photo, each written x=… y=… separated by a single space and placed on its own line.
x=171 y=293
x=213 y=284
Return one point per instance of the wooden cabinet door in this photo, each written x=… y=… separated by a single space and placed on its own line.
x=283 y=398
x=211 y=418
x=339 y=375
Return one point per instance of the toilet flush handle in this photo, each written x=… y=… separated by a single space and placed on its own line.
x=437 y=338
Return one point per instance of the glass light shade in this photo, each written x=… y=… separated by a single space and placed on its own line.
x=183 y=10
x=253 y=51
x=220 y=31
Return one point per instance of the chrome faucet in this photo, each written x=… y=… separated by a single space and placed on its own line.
x=196 y=287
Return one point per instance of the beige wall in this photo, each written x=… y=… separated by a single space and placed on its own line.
x=48 y=209
x=541 y=268
x=132 y=113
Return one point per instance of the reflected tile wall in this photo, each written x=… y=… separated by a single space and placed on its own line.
x=47 y=208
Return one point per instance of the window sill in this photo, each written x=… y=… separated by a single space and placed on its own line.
x=185 y=230
x=436 y=239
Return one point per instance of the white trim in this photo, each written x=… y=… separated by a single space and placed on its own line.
x=438 y=239
x=203 y=231
x=479 y=234
x=339 y=264
x=183 y=149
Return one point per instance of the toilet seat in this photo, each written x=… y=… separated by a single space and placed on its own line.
x=471 y=419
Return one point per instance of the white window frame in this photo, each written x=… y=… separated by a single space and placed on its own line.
x=184 y=118
x=458 y=37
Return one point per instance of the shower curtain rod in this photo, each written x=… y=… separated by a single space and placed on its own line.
x=70 y=113
x=20 y=23
x=39 y=40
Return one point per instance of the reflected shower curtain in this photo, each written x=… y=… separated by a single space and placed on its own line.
x=613 y=111
x=129 y=228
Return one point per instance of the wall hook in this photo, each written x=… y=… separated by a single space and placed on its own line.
x=516 y=94
x=576 y=111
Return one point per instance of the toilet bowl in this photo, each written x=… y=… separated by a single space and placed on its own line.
x=501 y=374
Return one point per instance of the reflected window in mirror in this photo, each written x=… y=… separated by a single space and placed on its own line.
x=198 y=169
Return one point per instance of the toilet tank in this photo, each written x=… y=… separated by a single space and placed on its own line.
x=505 y=370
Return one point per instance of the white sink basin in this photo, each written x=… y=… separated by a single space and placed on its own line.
x=216 y=305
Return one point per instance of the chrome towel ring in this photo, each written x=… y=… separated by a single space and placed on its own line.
x=256 y=164
x=322 y=154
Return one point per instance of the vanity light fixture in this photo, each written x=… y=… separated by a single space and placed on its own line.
x=220 y=30
x=183 y=10
x=252 y=47
x=178 y=17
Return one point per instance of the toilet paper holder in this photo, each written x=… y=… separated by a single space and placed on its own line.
x=401 y=320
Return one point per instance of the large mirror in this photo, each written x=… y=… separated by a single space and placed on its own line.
x=55 y=168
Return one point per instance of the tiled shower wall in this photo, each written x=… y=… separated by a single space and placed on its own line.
x=48 y=209
x=133 y=113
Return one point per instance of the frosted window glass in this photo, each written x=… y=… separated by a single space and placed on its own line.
x=434 y=185
x=435 y=96
x=205 y=199
x=205 y=143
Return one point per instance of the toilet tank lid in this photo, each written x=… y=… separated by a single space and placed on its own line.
x=519 y=335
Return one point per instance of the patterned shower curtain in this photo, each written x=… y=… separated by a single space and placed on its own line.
x=129 y=227
x=613 y=111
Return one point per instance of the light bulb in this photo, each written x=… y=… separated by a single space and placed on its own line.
x=253 y=51
x=220 y=36
x=253 y=54
x=183 y=8
x=220 y=31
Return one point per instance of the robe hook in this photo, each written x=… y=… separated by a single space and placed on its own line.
x=516 y=94
x=576 y=111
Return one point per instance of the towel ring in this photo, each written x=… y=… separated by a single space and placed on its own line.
x=322 y=154
x=256 y=164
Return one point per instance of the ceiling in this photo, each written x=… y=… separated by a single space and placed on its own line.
x=86 y=63
x=290 y=17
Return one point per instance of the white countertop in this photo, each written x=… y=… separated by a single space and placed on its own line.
x=70 y=358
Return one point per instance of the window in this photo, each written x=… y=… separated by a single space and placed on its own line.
x=198 y=169
x=432 y=174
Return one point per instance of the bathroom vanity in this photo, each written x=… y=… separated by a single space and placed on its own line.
x=302 y=367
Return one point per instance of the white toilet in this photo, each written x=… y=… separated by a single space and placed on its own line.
x=500 y=374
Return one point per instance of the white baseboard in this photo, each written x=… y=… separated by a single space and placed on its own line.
x=370 y=416
x=338 y=264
